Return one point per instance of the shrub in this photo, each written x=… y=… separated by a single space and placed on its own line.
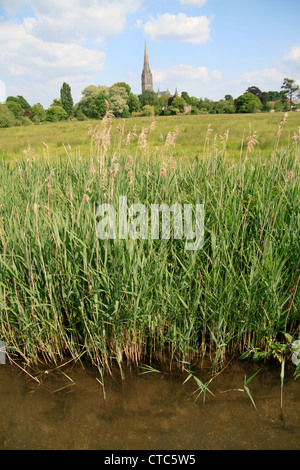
x=56 y=113
x=38 y=113
x=248 y=103
x=7 y=118
x=148 y=110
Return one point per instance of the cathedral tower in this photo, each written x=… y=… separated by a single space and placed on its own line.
x=147 y=80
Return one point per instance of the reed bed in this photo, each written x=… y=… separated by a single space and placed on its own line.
x=65 y=292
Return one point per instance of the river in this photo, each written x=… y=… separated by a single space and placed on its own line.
x=68 y=408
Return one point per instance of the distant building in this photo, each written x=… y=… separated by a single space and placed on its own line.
x=147 y=79
x=187 y=109
x=161 y=93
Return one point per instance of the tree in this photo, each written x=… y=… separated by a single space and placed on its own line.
x=172 y=111
x=248 y=103
x=66 y=98
x=274 y=95
x=177 y=102
x=16 y=108
x=148 y=110
x=123 y=85
x=100 y=105
x=7 y=118
x=92 y=103
x=282 y=105
x=289 y=88
x=148 y=97
x=118 y=101
x=205 y=105
x=38 y=113
x=20 y=100
x=186 y=98
x=162 y=104
x=257 y=92
x=133 y=103
x=56 y=113
x=225 y=106
x=56 y=102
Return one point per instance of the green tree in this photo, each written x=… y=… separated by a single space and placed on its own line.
x=7 y=118
x=289 y=88
x=118 y=97
x=248 y=103
x=172 y=111
x=38 y=113
x=194 y=101
x=56 y=113
x=282 y=105
x=66 y=98
x=92 y=103
x=274 y=95
x=206 y=105
x=148 y=110
x=56 y=102
x=133 y=103
x=177 y=102
x=257 y=92
x=20 y=100
x=123 y=85
x=186 y=98
x=162 y=104
x=268 y=106
x=148 y=97
x=100 y=105
x=16 y=108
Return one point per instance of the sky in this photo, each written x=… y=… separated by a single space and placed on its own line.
x=208 y=48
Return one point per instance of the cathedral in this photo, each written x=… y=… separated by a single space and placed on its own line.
x=147 y=79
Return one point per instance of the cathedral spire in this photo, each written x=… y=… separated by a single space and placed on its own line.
x=146 y=58
x=147 y=80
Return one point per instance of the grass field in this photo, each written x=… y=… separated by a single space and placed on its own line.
x=192 y=133
x=65 y=292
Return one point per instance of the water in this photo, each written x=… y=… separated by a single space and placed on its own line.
x=154 y=411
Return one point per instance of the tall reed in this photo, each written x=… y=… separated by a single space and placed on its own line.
x=64 y=291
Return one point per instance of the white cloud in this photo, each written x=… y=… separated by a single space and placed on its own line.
x=74 y=20
x=264 y=77
x=23 y=53
x=180 y=73
x=37 y=64
x=185 y=77
x=188 y=29
x=193 y=3
x=294 y=54
x=53 y=41
x=77 y=21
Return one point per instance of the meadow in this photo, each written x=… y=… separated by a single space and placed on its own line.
x=190 y=140
x=64 y=292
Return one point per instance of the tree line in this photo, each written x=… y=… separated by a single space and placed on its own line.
x=123 y=103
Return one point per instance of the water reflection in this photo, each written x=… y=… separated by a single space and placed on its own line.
x=66 y=409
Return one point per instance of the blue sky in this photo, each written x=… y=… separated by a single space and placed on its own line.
x=208 y=48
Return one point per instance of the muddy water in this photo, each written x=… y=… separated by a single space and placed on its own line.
x=154 y=411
